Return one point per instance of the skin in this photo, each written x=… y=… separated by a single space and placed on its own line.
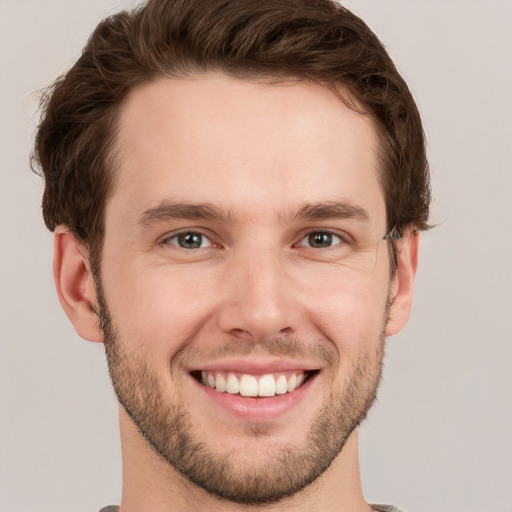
x=260 y=152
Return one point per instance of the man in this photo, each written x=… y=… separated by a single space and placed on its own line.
x=236 y=190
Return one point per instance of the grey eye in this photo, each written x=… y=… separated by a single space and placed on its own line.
x=189 y=240
x=320 y=240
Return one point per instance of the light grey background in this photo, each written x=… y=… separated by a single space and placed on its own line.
x=440 y=437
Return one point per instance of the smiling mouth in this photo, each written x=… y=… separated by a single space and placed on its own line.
x=247 y=385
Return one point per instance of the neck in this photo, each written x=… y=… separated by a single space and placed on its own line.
x=150 y=483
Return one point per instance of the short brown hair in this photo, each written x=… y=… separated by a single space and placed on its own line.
x=316 y=40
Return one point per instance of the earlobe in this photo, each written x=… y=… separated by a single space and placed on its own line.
x=75 y=284
x=403 y=282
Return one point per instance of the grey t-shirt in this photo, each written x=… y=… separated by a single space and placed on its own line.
x=380 y=508
x=386 y=508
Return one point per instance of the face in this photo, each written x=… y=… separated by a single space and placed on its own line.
x=244 y=282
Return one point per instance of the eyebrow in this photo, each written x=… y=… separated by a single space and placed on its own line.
x=342 y=209
x=167 y=210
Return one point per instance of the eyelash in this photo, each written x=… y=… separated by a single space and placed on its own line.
x=343 y=238
x=167 y=239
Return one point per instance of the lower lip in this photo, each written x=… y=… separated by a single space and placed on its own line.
x=257 y=409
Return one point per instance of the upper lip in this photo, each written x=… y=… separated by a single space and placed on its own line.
x=255 y=366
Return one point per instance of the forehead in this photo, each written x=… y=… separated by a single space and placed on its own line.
x=250 y=146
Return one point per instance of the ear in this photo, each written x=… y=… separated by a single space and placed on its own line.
x=75 y=284
x=403 y=282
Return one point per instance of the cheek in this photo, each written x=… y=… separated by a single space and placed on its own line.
x=168 y=305
x=159 y=304
x=351 y=316
x=353 y=320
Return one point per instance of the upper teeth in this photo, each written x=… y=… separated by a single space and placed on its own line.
x=250 y=385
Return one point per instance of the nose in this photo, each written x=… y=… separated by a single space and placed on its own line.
x=259 y=299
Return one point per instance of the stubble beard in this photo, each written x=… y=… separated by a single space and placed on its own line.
x=250 y=480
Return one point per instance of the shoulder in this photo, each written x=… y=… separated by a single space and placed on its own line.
x=384 y=508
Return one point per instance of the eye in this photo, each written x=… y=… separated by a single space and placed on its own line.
x=189 y=240
x=321 y=240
